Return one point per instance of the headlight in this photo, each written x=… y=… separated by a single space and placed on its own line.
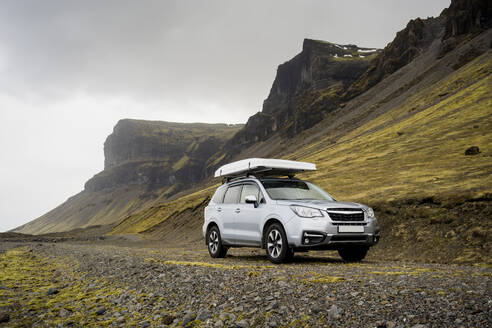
x=306 y=212
x=369 y=212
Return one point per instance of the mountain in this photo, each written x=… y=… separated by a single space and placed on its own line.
x=145 y=161
x=389 y=127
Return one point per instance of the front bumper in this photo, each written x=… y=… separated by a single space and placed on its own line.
x=324 y=234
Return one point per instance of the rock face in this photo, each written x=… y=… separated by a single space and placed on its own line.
x=157 y=154
x=462 y=19
x=467 y=16
x=304 y=90
x=408 y=44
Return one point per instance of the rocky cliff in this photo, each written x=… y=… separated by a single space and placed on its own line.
x=467 y=16
x=155 y=154
x=305 y=88
x=410 y=42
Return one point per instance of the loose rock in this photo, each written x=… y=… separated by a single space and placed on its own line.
x=52 y=291
x=100 y=310
x=473 y=150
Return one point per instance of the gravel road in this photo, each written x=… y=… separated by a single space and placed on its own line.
x=92 y=284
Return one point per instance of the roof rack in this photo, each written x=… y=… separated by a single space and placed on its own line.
x=239 y=177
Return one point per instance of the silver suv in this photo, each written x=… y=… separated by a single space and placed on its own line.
x=286 y=215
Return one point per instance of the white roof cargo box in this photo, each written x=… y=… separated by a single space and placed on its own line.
x=263 y=165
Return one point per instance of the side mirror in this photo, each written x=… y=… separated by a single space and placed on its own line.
x=251 y=199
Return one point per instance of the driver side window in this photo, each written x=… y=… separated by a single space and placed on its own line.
x=251 y=190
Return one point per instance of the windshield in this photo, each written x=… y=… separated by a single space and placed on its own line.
x=294 y=190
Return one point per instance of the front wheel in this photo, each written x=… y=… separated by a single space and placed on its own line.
x=277 y=249
x=214 y=243
x=353 y=253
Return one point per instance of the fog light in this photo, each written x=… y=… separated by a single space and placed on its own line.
x=306 y=241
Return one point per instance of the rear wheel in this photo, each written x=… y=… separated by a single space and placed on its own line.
x=277 y=249
x=214 y=243
x=353 y=253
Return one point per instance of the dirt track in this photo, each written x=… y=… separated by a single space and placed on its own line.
x=150 y=286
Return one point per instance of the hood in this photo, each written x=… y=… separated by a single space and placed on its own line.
x=321 y=204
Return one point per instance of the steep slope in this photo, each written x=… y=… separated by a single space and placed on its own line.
x=145 y=161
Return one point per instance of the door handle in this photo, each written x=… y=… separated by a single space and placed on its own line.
x=238 y=210
x=219 y=209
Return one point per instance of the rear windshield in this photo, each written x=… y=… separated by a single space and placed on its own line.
x=294 y=190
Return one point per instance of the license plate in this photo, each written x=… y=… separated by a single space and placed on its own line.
x=350 y=228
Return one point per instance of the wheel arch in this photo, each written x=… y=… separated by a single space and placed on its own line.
x=266 y=224
x=209 y=226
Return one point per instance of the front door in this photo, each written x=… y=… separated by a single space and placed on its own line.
x=248 y=219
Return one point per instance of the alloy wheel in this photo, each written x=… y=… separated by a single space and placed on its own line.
x=274 y=243
x=213 y=243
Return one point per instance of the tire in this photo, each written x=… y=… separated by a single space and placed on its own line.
x=277 y=248
x=353 y=253
x=214 y=243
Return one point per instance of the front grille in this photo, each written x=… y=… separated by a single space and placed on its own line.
x=352 y=214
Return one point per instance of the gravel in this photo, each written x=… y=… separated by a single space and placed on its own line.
x=179 y=287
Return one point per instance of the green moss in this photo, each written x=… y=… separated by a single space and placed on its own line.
x=325 y=280
x=28 y=279
x=218 y=265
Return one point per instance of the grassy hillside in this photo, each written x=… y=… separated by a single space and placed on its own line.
x=154 y=215
x=401 y=155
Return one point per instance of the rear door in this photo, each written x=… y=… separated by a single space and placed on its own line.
x=248 y=219
x=214 y=208
x=229 y=212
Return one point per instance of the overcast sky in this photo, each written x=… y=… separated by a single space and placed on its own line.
x=69 y=70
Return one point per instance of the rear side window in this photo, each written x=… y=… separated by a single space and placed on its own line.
x=219 y=195
x=249 y=190
x=232 y=195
